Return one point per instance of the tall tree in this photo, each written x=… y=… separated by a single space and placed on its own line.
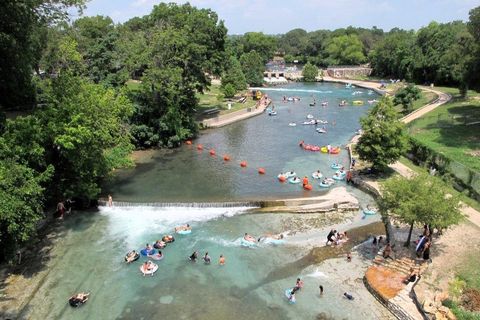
x=234 y=75
x=419 y=200
x=264 y=45
x=253 y=68
x=20 y=24
x=383 y=140
x=310 y=72
x=21 y=200
x=406 y=96
x=346 y=49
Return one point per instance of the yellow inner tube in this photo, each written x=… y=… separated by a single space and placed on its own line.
x=324 y=149
x=358 y=102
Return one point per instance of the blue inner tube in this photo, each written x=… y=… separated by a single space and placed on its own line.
x=185 y=231
x=341 y=177
x=324 y=185
x=294 y=181
x=248 y=244
x=336 y=166
x=288 y=294
x=146 y=252
x=369 y=212
x=274 y=241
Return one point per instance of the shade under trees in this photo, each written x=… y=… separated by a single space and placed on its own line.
x=419 y=200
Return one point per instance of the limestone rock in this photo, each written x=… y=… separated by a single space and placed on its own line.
x=429 y=306
x=441 y=296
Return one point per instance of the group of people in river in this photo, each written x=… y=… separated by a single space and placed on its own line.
x=335 y=237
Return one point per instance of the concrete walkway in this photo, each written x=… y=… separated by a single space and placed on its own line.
x=442 y=98
x=375 y=86
x=235 y=116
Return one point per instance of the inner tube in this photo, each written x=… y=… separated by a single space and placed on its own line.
x=321 y=130
x=294 y=180
x=168 y=239
x=272 y=113
x=276 y=242
x=292 y=124
x=336 y=166
x=135 y=258
x=317 y=175
x=339 y=177
x=160 y=245
x=248 y=244
x=288 y=295
x=340 y=172
x=369 y=212
x=290 y=174
x=335 y=150
x=75 y=303
x=156 y=256
x=146 y=252
x=324 y=185
x=151 y=271
x=324 y=149
x=185 y=231
x=420 y=243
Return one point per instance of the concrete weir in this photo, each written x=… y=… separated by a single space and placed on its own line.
x=338 y=199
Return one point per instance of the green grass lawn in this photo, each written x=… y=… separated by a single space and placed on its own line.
x=451 y=129
x=210 y=99
x=469 y=201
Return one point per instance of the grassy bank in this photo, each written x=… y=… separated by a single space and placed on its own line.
x=452 y=129
x=469 y=201
x=214 y=98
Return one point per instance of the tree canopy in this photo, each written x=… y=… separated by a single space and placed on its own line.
x=419 y=200
x=383 y=140
x=310 y=72
x=406 y=96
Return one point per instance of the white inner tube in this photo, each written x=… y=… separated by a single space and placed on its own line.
x=154 y=268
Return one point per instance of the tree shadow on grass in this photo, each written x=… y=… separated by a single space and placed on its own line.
x=456 y=129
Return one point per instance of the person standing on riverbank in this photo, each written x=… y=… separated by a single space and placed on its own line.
x=110 y=201
x=60 y=209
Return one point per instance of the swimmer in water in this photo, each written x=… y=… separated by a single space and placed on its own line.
x=193 y=257
x=206 y=258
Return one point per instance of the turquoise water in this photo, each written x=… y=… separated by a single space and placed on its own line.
x=251 y=285
x=90 y=258
x=263 y=141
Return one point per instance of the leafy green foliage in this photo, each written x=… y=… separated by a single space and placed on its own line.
x=420 y=199
x=234 y=75
x=21 y=27
x=406 y=96
x=310 y=72
x=383 y=140
x=253 y=67
x=345 y=50
x=229 y=90
x=21 y=199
